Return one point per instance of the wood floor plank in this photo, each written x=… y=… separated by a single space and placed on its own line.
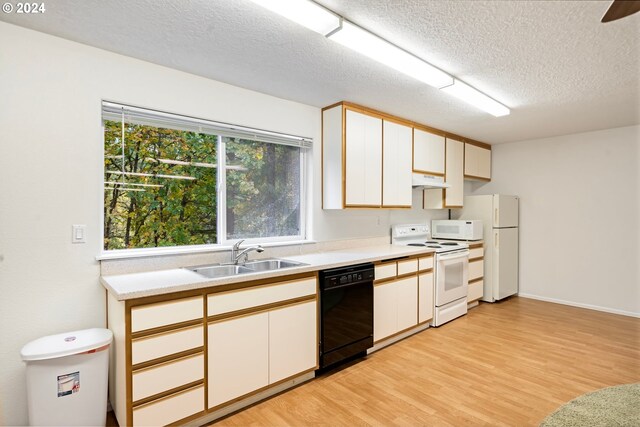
x=504 y=364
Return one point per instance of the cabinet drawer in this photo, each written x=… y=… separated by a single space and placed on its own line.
x=225 y=302
x=408 y=266
x=425 y=263
x=164 y=344
x=476 y=269
x=476 y=289
x=476 y=253
x=385 y=271
x=165 y=313
x=163 y=377
x=170 y=409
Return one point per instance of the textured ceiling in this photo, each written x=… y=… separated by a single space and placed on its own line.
x=552 y=62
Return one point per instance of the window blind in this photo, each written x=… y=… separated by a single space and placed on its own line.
x=114 y=112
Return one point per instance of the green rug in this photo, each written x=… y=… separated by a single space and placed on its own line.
x=617 y=406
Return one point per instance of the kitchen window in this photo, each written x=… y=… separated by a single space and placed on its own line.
x=177 y=181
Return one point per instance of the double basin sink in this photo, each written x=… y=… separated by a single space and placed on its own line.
x=221 y=270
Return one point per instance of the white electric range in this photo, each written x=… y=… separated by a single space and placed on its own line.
x=451 y=269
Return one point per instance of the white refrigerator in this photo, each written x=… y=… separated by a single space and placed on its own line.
x=499 y=215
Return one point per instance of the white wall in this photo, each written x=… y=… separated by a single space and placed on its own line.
x=51 y=172
x=579 y=216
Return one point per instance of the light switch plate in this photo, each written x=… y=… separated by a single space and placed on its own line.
x=78 y=233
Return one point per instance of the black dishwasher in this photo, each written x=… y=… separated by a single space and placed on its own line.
x=346 y=324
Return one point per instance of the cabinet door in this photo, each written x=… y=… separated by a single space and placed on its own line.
x=428 y=152
x=293 y=341
x=238 y=357
x=363 y=160
x=407 y=303
x=385 y=310
x=454 y=174
x=396 y=165
x=425 y=294
x=477 y=162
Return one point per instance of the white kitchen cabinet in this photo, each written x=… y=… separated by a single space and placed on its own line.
x=428 y=152
x=454 y=174
x=363 y=160
x=425 y=297
x=477 y=162
x=453 y=196
x=385 y=310
x=395 y=300
x=259 y=336
x=396 y=165
x=172 y=361
x=238 y=357
x=351 y=158
x=476 y=274
x=293 y=345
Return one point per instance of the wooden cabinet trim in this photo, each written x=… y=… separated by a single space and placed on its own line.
x=165 y=328
x=471 y=282
x=395 y=334
x=475 y=245
x=168 y=358
x=428 y=172
x=476 y=259
x=260 y=390
x=386 y=116
x=479 y=178
x=426 y=270
x=167 y=394
x=259 y=309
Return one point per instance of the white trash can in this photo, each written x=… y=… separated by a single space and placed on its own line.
x=67 y=378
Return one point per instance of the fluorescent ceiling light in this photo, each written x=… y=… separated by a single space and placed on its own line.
x=304 y=12
x=476 y=98
x=390 y=55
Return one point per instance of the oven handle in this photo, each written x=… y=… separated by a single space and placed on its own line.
x=455 y=255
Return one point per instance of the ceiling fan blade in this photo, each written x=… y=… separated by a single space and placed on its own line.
x=620 y=9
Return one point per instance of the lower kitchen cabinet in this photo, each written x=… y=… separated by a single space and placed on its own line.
x=395 y=300
x=425 y=297
x=173 y=363
x=260 y=336
x=476 y=274
x=238 y=357
x=293 y=347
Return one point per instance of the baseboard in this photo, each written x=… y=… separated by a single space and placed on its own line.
x=577 y=304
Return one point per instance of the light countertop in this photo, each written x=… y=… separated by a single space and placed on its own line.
x=138 y=285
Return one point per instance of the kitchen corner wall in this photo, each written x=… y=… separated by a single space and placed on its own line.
x=51 y=178
x=579 y=216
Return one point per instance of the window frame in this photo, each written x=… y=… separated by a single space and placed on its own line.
x=221 y=194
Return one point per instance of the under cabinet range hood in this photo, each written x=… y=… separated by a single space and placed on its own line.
x=428 y=181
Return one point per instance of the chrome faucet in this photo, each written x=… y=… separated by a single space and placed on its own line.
x=237 y=256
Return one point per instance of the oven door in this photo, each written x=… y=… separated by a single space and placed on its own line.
x=452 y=276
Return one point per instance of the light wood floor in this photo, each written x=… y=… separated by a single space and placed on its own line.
x=510 y=363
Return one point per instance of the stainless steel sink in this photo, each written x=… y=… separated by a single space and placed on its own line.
x=215 y=271
x=272 y=264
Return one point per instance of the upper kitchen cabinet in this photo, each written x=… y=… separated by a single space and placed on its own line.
x=396 y=165
x=452 y=196
x=359 y=170
x=428 y=152
x=477 y=162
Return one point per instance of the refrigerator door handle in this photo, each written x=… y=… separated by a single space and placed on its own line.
x=495 y=218
x=496 y=241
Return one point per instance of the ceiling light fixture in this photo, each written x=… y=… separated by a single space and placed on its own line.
x=476 y=98
x=304 y=12
x=380 y=50
x=333 y=26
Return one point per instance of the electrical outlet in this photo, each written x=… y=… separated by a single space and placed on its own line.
x=78 y=233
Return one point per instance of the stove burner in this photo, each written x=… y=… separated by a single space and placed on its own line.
x=434 y=246
x=416 y=244
x=449 y=243
x=431 y=242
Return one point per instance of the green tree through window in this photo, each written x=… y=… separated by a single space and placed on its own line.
x=161 y=188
